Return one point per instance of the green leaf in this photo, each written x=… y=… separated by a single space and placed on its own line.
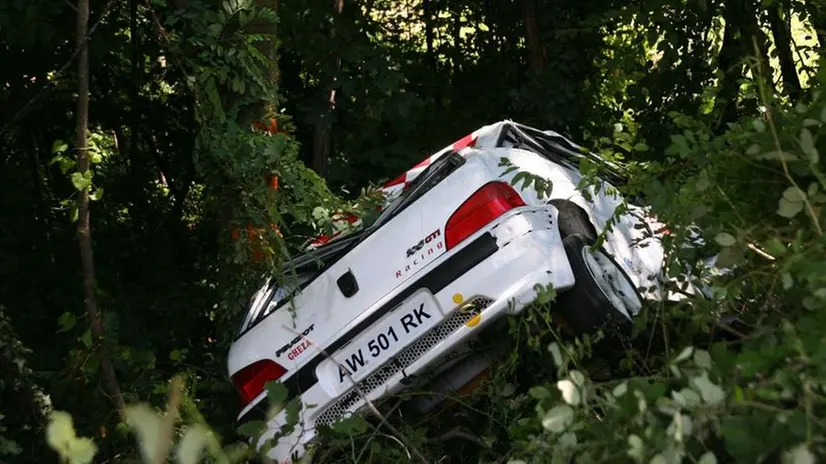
x=775 y=247
x=787 y=279
x=67 y=322
x=97 y=194
x=759 y=125
x=636 y=448
x=351 y=426
x=293 y=408
x=807 y=144
x=80 y=181
x=793 y=194
x=86 y=338
x=702 y=359
x=711 y=393
x=252 y=429
x=556 y=354
x=539 y=392
x=725 y=239
x=507 y=390
x=276 y=392
x=789 y=209
x=558 y=418
x=59 y=146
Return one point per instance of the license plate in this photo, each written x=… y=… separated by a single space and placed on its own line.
x=387 y=337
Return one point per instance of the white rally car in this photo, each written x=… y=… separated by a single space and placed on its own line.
x=456 y=248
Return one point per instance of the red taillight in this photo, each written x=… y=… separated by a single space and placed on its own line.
x=486 y=204
x=250 y=380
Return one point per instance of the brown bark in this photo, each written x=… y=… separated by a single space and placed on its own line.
x=783 y=44
x=84 y=233
x=536 y=53
x=322 y=132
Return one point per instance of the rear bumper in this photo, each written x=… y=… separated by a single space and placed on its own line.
x=500 y=265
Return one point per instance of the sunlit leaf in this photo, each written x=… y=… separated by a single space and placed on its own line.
x=685 y=354
x=636 y=448
x=577 y=378
x=61 y=437
x=556 y=354
x=800 y=454
x=146 y=424
x=80 y=181
x=570 y=392
x=192 y=445
x=620 y=389
x=59 y=146
x=710 y=392
x=558 y=418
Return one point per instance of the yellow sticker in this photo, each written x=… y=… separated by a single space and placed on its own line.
x=458 y=298
x=474 y=321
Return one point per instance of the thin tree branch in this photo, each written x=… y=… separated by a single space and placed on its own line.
x=84 y=233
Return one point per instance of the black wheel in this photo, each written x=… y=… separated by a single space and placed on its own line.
x=573 y=220
x=603 y=293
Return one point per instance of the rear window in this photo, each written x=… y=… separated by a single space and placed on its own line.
x=270 y=298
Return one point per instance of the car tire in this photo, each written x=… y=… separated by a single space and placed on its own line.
x=573 y=220
x=603 y=294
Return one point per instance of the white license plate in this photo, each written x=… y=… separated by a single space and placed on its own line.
x=387 y=337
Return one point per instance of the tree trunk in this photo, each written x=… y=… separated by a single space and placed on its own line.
x=84 y=232
x=536 y=52
x=323 y=129
x=725 y=105
x=750 y=30
x=783 y=44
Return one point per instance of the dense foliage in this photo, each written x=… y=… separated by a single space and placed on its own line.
x=223 y=135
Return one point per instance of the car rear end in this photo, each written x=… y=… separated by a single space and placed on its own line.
x=464 y=250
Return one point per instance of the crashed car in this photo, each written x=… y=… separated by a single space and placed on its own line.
x=458 y=246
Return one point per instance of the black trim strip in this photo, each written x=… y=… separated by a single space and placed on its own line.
x=435 y=281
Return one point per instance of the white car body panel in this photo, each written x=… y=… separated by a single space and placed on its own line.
x=529 y=252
